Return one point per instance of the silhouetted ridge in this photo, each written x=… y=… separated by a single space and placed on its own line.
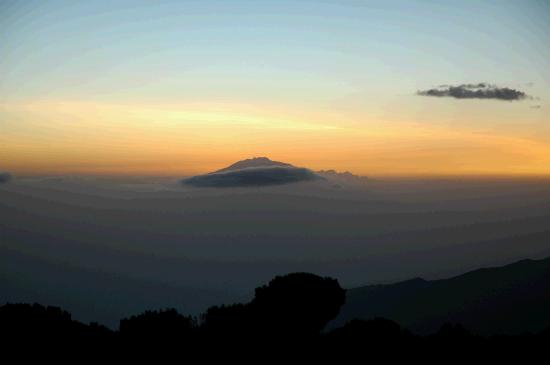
x=508 y=299
x=285 y=318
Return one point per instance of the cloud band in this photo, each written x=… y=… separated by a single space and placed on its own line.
x=475 y=91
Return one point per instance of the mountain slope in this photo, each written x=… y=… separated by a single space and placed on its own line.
x=507 y=299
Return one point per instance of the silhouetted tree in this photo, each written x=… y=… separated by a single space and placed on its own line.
x=298 y=304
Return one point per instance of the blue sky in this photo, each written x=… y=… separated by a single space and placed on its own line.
x=219 y=48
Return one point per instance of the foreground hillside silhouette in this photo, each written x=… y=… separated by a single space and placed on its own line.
x=510 y=299
x=287 y=314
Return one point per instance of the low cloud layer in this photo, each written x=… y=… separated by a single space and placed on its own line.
x=5 y=177
x=261 y=176
x=475 y=91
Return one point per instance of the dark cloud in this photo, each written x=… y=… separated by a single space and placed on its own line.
x=5 y=177
x=481 y=90
x=260 y=176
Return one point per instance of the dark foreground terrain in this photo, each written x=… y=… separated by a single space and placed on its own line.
x=289 y=317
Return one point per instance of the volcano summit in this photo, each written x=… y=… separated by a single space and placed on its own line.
x=257 y=171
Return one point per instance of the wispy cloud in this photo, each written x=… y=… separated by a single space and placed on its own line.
x=481 y=90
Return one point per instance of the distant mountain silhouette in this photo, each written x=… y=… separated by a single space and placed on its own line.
x=253 y=162
x=345 y=177
x=258 y=171
x=93 y=295
x=509 y=299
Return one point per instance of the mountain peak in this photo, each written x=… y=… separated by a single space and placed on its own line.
x=253 y=162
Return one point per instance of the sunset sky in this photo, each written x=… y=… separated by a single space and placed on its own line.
x=186 y=87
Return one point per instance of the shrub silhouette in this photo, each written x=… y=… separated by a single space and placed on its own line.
x=25 y=320
x=375 y=330
x=163 y=325
x=454 y=332
x=223 y=320
x=46 y=324
x=377 y=336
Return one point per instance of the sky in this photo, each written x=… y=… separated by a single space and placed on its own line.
x=186 y=87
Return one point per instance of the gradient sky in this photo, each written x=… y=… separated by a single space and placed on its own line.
x=183 y=87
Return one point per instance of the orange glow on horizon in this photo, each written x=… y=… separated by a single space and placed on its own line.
x=178 y=140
